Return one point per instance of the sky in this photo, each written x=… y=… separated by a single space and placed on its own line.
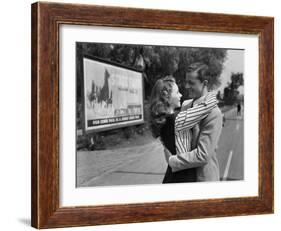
x=234 y=63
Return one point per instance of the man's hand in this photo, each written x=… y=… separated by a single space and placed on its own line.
x=167 y=154
x=186 y=104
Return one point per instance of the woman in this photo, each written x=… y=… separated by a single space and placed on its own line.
x=165 y=99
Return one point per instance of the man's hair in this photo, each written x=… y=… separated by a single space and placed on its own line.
x=201 y=69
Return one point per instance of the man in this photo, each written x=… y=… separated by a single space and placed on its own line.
x=203 y=150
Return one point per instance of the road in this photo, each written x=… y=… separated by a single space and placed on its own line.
x=230 y=151
x=146 y=164
x=138 y=165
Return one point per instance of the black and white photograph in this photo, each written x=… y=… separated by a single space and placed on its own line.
x=152 y=114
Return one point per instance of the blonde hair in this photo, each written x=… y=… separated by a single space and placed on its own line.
x=160 y=103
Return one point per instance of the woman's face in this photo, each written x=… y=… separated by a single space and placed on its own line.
x=175 y=97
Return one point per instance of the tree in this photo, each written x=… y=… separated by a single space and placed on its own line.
x=219 y=95
x=230 y=92
x=157 y=61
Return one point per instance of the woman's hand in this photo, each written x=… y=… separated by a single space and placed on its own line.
x=167 y=154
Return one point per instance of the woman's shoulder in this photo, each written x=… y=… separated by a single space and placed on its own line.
x=170 y=118
x=174 y=114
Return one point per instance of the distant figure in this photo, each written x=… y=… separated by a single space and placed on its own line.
x=238 y=109
x=223 y=119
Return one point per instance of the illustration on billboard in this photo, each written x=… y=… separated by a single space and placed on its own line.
x=113 y=95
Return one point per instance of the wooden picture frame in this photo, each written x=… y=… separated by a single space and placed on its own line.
x=46 y=19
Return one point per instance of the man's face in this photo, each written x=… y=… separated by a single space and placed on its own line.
x=193 y=85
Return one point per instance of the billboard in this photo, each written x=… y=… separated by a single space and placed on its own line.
x=113 y=95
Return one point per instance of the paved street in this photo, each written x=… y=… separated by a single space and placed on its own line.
x=146 y=164
x=231 y=146
x=138 y=165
